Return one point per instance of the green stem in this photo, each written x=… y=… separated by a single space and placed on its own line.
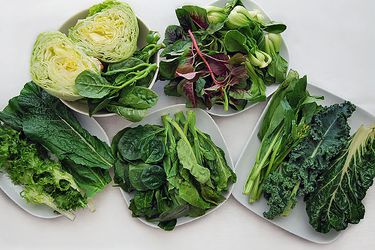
x=256 y=170
x=125 y=70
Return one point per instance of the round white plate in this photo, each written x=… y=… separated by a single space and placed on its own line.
x=204 y=123
x=41 y=211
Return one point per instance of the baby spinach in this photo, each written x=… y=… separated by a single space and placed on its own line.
x=91 y=85
x=173 y=170
x=142 y=143
x=122 y=87
x=138 y=97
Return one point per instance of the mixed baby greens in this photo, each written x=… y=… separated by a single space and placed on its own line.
x=35 y=125
x=306 y=151
x=223 y=56
x=98 y=62
x=173 y=170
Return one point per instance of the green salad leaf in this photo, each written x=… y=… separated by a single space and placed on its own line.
x=44 y=181
x=46 y=120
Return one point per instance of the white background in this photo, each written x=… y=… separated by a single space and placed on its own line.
x=330 y=41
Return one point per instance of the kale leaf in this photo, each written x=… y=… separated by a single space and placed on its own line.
x=328 y=135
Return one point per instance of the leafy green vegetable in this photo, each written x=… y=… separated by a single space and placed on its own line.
x=328 y=134
x=284 y=125
x=142 y=143
x=90 y=84
x=45 y=120
x=123 y=87
x=174 y=170
x=109 y=33
x=343 y=185
x=56 y=62
x=43 y=180
x=222 y=56
x=139 y=97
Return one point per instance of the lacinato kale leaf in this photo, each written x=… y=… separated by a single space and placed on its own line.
x=342 y=186
x=328 y=134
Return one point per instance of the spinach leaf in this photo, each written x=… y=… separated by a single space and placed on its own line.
x=91 y=85
x=138 y=97
x=142 y=143
x=130 y=114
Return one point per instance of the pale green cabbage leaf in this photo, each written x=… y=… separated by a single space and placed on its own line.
x=56 y=62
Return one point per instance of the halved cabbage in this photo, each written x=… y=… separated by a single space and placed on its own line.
x=109 y=33
x=56 y=62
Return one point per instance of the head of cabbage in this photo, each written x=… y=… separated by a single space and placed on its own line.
x=109 y=33
x=56 y=62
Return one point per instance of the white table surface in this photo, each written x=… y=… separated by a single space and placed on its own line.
x=331 y=41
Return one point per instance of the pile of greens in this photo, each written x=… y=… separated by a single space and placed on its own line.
x=43 y=181
x=306 y=151
x=45 y=121
x=98 y=62
x=223 y=56
x=173 y=170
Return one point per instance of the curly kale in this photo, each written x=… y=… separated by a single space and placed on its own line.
x=338 y=199
x=328 y=135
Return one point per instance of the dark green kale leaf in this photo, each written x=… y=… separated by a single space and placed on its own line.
x=328 y=135
x=343 y=185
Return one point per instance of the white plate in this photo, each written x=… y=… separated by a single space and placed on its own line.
x=218 y=110
x=297 y=222
x=41 y=211
x=204 y=123
x=81 y=106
